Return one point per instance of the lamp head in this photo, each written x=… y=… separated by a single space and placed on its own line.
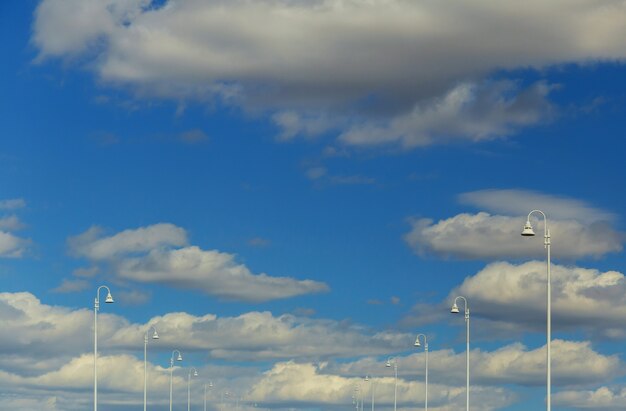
x=109 y=299
x=417 y=342
x=155 y=336
x=528 y=229
x=455 y=308
x=367 y=378
x=388 y=363
x=195 y=373
x=210 y=384
x=180 y=357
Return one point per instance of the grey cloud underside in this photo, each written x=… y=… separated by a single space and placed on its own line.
x=337 y=64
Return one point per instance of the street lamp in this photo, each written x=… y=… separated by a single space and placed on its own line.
x=455 y=310
x=195 y=374
x=210 y=386
x=178 y=358
x=96 y=307
x=395 y=389
x=418 y=344
x=529 y=232
x=155 y=336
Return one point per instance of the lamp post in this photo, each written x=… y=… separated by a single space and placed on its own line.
x=455 y=310
x=372 y=389
x=210 y=386
x=529 y=232
x=195 y=374
x=418 y=344
x=155 y=336
x=96 y=307
x=178 y=358
x=395 y=388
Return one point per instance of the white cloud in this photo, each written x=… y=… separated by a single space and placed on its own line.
x=294 y=384
x=92 y=245
x=486 y=236
x=582 y=298
x=603 y=398
x=416 y=67
x=12 y=246
x=214 y=273
x=577 y=229
x=12 y=204
x=38 y=337
x=573 y=363
x=154 y=254
x=521 y=202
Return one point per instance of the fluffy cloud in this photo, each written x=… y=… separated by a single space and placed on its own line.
x=214 y=273
x=577 y=229
x=50 y=335
x=93 y=245
x=294 y=384
x=512 y=298
x=604 y=398
x=573 y=363
x=154 y=254
x=413 y=72
x=46 y=357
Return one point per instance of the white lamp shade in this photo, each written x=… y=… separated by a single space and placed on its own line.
x=109 y=299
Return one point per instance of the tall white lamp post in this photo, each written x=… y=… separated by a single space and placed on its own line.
x=395 y=387
x=372 y=389
x=195 y=374
x=210 y=386
x=529 y=232
x=96 y=307
x=455 y=310
x=178 y=358
x=419 y=344
x=155 y=336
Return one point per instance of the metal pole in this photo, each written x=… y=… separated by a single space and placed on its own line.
x=467 y=354
x=95 y=353
x=549 y=333
x=145 y=369
x=171 y=373
x=426 y=395
x=395 y=390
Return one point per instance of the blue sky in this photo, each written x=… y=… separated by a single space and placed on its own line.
x=289 y=191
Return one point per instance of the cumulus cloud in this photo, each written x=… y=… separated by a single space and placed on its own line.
x=512 y=298
x=44 y=354
x=50 y=335
x=157 y=254
x=573 y=363
x=307 y=384
x=214 y=273
x=603 y=398
x=414 y=72
x=94 y=246
x=577 y=229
